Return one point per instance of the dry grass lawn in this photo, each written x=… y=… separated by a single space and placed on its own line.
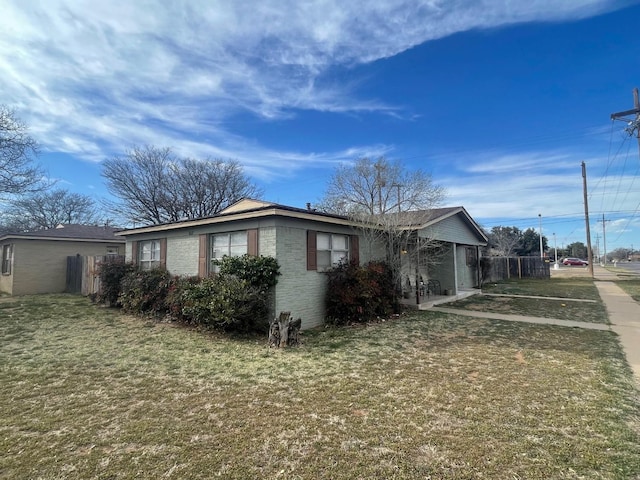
x=88 y=393
x=631 y=286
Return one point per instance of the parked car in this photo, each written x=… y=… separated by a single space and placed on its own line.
x=574 y=261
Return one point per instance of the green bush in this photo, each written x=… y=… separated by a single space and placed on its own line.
x=174 y=300
x=145 y=291
x=224 y=302
x=359 y=294
x=111 y=273
x=259 y=272
x=236 y=299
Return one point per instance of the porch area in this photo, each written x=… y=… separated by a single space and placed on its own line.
x=424 y=302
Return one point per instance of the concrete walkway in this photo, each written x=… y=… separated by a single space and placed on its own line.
x=624 y=315
x=522 y=318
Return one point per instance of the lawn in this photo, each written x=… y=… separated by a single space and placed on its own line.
x=569 y=287
x=554 y=298
x=592 y=312
x=88 y=393
x=631 y=286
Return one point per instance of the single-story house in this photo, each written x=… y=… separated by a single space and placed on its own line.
x=305 y=243
x=36 y=261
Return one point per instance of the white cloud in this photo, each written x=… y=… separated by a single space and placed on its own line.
x=493 y=185
x=119 y=73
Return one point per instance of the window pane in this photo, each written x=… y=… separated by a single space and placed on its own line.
x=145 y=251
x=339 y=242
x=219 y=245
x=6 y=259
x=228 y=244
x=237 y=250
x=239 y=238
x=221 y=240
x=324 y=259
x=323 y=241
x=155 y=250
x=337 y=257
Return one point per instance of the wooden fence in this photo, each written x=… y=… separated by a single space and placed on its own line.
x=502 y=268
x=83 y=274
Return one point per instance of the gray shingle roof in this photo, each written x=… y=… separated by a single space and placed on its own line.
x=71 y=232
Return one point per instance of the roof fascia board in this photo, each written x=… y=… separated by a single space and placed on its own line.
x=246 y=215
x=68 y=239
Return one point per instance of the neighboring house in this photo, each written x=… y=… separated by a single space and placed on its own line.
x=36 y=262
x=304 y=242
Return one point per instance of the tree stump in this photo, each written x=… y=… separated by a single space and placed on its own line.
x=293 y=338
x=284 y=331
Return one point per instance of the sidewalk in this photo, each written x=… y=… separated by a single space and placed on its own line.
x=599 y=273
x=624 y=314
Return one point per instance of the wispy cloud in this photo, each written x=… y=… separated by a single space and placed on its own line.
x=496 y=185
x=92 y=78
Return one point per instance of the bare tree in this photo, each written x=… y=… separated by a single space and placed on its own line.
x=154 y=186
x=505 y=240
x=619 y=254
x=377 y=187
x=395 y=201
x=18 y=173
x=50 y=209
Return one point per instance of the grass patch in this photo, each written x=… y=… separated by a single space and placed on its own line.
x=591 y=312
x=569 y=287
x=90 y=393
x=632 y=287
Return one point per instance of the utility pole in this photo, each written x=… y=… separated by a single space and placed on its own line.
x=586 y=218
x=633 y=125
x=604 y=241
x=541 y=251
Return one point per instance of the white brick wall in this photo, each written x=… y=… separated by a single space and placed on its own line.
x=182 y=254
x=267 y=242
x=299 y=290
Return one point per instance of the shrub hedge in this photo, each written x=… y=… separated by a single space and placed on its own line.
x=236 y=299
x=111 y=272
x=145 y=291
x=359 y=294
x=224 y=302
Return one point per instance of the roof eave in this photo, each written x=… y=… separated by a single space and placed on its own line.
x=68 y=239
x=235 y=216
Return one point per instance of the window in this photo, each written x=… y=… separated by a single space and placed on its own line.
x=471 y=256
x=233 y=244
x=331 y=249
x=7 y=250
x=149 y=254
x=112 y=251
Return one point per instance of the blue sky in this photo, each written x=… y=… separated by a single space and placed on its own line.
x=500 y=100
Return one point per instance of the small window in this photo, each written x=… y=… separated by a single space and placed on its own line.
x=471 y=256
x=331 y=249
x=112 y=251
x=233 y=244
x=149 y=254
x=7 y=251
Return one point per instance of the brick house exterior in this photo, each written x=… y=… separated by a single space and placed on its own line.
x=303 y=241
